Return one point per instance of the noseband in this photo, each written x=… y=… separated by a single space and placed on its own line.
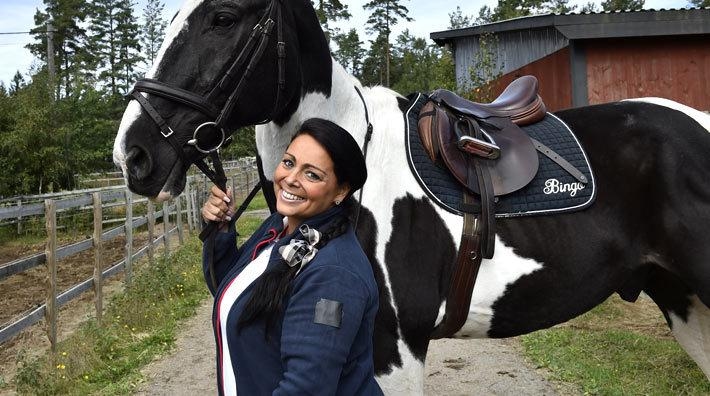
x=245 y=62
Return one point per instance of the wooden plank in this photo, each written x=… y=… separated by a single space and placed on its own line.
x=74 y=202
x=21 y=265
x=13 y=212
x=98 y=259
x=68 y=250
x=113 y=233
x=16 y=327
x=129 y=237
x=51 y=280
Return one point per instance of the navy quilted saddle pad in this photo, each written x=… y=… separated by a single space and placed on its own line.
x=553 y=190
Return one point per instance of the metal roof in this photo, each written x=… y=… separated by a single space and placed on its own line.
x=576 y=26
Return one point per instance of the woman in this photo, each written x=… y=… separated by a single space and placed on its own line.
x=296 y=303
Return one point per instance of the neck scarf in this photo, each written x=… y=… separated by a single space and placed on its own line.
x=299 y=252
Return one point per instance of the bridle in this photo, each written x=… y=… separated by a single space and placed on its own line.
x=246 y=62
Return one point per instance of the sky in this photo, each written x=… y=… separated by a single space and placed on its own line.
x=429 y=16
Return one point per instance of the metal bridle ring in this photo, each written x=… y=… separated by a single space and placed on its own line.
x=194 y=141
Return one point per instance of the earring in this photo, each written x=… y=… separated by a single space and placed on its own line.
x=337 y=202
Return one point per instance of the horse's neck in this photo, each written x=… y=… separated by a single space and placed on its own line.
x=343 y=106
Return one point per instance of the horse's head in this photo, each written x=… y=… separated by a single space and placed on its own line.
x=224 y=64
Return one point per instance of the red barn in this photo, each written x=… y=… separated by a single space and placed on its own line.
x=582 y=59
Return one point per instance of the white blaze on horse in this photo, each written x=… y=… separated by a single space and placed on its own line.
x=646 y=230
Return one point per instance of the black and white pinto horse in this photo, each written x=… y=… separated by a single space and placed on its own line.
x=646 y=231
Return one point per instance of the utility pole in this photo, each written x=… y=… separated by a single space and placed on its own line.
x=50 y=58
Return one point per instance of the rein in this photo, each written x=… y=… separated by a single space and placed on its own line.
x=365 y=144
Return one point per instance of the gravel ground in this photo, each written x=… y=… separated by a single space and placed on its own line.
x=454 y=367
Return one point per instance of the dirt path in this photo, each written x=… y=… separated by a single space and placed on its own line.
x=454 y=367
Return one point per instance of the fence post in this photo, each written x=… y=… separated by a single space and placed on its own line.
x=196 y=210
x=98 y=257
x=151 y=230
x=166 y=228
x=178 y=219
x=128 y=268
x=188 y=204
x=19 y=217
x=50 y=313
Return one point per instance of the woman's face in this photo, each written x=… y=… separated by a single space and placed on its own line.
x=305 y=182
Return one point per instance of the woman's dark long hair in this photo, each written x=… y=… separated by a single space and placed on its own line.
x=272 y=287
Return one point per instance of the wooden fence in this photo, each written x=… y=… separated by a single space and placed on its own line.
x=99 y=201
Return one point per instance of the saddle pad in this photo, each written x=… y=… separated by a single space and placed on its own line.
x=553 y=190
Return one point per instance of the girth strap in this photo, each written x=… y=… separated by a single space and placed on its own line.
x=468 y=262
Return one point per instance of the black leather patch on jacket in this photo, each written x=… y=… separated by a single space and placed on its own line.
x=329 y=313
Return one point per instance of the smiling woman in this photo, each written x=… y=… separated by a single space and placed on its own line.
x=296 y=304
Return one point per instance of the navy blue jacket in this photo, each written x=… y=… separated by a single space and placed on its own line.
x=300 y=356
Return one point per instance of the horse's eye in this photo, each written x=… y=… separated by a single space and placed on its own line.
x=224 y=20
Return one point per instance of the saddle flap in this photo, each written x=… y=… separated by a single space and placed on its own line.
x=512 y=170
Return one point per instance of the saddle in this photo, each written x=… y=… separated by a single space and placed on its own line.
x=486 y=151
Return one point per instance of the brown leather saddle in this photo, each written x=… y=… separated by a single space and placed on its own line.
x=487 y=152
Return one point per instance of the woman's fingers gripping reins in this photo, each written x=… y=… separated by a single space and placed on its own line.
x=219 y=205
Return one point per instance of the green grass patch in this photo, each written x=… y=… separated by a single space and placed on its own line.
x=614 y=361
x=139 y=325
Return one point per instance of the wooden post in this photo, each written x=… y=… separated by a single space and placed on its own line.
x=197 y=217
x=50 y=313
x=19 y=217
x=178 y=219
x=128 y=268
x=188 y=204
x=98 y=257
x=151 y=231
x=166 y=228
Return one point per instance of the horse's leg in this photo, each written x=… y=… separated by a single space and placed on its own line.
x=687 y=316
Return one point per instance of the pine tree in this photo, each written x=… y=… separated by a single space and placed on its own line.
x=385 y=14
x=153 y=29
x=114 y=42
x=17 y=83
x=128 y=44
x=559 y=7
x=622 y=5
x=457 y=20
x=374 y=66
x=350 y=52
x=329 y=11
x=70 y=56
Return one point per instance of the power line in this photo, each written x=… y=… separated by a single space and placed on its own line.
x=15 y=32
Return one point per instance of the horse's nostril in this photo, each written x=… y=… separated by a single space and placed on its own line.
x=138 y=163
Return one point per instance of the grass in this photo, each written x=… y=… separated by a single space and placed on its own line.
x=139 y=325
x=603 y=360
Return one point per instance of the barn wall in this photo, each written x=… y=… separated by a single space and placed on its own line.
x=676 y=68
x=514 y=50
x=553 y=75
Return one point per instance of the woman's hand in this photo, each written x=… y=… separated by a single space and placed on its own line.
x=219 y=206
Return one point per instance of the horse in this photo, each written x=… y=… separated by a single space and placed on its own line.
x=231 y=63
